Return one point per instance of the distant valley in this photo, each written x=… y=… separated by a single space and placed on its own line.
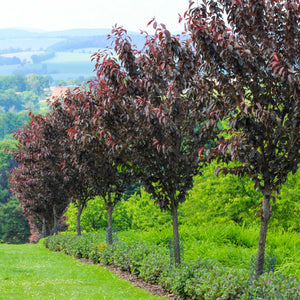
x=60 y=55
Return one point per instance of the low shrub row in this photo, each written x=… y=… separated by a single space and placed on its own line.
x=204 y=279
x=84 y=246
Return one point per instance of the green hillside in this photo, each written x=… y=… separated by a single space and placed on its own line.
x=26 y=52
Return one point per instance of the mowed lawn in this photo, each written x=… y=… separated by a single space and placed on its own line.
x=33 y=272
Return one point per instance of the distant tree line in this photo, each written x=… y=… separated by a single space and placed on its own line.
x=14 y=227
x=21 y=83
x=38 y=58
x=19 y=92
x=11 y=50
x=9 y=60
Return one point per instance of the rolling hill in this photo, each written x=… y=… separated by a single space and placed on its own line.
x=41 y=52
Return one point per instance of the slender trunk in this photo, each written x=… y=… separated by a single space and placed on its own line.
x=175 y=234
x=44 y=233
x=110 y=209
x=54 y=220
x=265 y=217
x=79 y=212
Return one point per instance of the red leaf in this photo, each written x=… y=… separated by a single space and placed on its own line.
x=151 y=21
x=217 y=170
x=220 y=147
x=72 y=135
x=200 y=151
x=274 y=63
x=281 y=70
x=140 y=99
x=180 y=18
x=243 y=102
x=275 y=57
x=155 y=142
x=275 y=70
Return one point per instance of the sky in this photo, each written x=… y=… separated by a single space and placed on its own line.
x=53 y=15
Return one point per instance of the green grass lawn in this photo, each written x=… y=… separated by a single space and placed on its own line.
x=33 y=272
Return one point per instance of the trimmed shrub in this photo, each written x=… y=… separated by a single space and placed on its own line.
x=154 y=264
x=204 y=279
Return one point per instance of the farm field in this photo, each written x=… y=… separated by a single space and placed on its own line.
x=64 y=66
x=72 y=52
x=33 y=272
x=67 y=65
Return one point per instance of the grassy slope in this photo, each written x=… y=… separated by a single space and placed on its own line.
x=32 y=272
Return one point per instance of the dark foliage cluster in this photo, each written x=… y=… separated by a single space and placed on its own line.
x=38 y=181
x=253 y=60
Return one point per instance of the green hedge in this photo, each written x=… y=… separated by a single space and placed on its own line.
x=204 y=279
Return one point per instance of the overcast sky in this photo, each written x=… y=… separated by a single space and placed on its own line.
x=66 y=14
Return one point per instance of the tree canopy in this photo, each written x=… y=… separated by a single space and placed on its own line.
x=250 y=51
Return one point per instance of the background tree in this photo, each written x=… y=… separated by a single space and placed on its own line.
x=37 y=83
x=77 y=186
x=253 y=63
x=17 y=83
x=10 y=101
x=38 y=181
x=93 y=217
x=107 y=177
x=14 y=228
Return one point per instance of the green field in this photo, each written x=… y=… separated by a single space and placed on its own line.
x=64 y=66
x=33 y=272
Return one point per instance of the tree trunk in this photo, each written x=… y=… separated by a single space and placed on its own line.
x=110 y=209
x=79 y=212
x=175 y=234
x=265 y=217
x=54 y=220
x=44 y=229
